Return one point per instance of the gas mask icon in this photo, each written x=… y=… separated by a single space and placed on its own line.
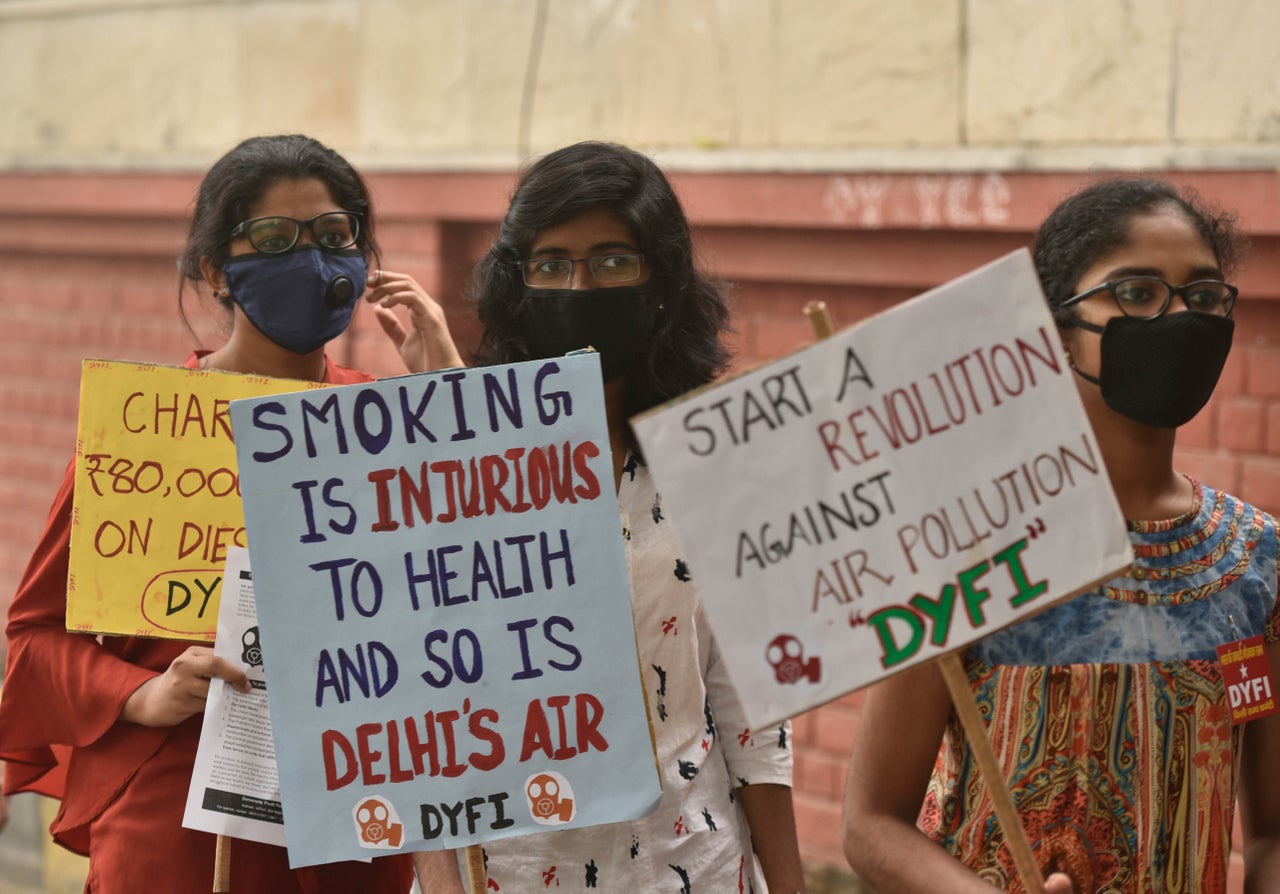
x=550 y=799
x=376 y=823
x=785 y=655
x=252 y=654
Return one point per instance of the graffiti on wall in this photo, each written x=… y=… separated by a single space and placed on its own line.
x=927 y=200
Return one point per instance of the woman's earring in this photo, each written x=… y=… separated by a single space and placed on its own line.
x=1066 y=349
x=220 y=293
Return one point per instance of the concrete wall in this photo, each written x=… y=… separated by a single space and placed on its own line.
x=446 y=83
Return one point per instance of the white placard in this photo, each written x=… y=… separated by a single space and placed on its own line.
x=889 y=494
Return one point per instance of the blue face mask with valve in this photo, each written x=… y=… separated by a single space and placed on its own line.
x=301 y=299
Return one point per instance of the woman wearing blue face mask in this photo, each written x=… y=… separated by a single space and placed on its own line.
x=1111 y=714
x=283 y=233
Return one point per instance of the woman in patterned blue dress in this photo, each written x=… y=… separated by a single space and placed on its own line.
x=1110 y=713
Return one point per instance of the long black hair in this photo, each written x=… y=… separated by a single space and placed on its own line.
x=687 y=347
x=238 y=180
x=1095 y=221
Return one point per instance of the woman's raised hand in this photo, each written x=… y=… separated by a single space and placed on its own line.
x=428 y=346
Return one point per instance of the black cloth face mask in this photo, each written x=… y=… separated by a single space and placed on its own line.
x=1160 y=372
x=617 y=321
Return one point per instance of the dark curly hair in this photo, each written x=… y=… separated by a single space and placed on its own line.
x=1095 y=221
x=240 y=178
x=687 y=348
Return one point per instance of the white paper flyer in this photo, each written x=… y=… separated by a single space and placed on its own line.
x=235 y=789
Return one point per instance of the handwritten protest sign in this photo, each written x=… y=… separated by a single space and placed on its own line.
x=157 y=499
x=888 y=494
x=444 y=609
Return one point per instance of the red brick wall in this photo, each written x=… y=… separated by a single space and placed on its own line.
x=87 y=269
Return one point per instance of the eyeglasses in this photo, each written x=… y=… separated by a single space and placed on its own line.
x=550 y=273
x=332 y=231
x=1147 y=297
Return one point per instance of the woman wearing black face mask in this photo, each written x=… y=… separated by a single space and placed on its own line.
x=283 y=232
x=1110 y=713
x=660 y=326
x=595 y=251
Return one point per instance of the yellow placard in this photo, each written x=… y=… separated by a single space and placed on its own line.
x=157 y=497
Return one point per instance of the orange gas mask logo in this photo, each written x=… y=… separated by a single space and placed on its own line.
x=550 y=799
x=377 y=824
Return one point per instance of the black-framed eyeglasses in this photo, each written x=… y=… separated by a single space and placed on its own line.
x=1147 y=297
x=332 y=230
x=552 y=273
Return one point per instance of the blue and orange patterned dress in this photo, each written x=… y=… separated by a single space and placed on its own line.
x=1109 y=716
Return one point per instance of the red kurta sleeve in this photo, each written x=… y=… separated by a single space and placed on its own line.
x=60 y=688
x=64 y=691
x=67 y=688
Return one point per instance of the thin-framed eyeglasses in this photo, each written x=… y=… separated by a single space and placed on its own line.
x=553 y=273
x=1147 y=297
x=332 y=231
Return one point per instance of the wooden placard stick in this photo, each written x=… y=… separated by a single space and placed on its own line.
x=222 y=865
x=819 y=319
x=966 y=707
x=477 y=878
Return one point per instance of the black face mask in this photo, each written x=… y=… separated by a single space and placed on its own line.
x=618 y=322
x=1161 y=372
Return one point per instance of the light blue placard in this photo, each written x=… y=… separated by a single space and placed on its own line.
x=444 y=609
